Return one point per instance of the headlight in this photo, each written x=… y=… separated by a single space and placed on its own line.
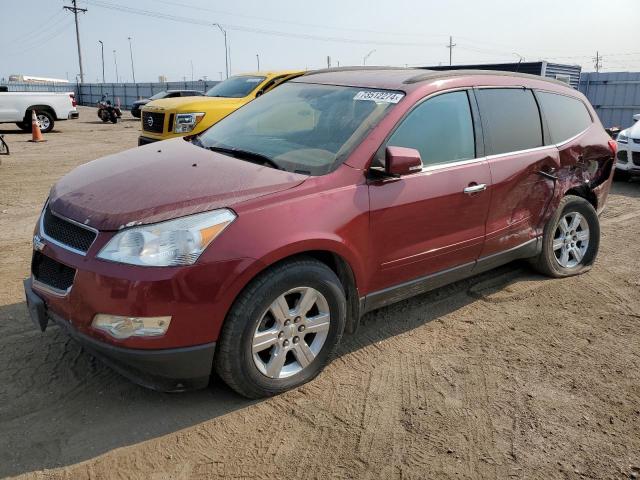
x=175 y=242
x=622 y=138
x=185 y=122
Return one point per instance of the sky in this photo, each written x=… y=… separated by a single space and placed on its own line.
x=38 y=37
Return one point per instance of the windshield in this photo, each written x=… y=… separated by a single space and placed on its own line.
x=300 y=127
x=236 y=87
x=158 y=95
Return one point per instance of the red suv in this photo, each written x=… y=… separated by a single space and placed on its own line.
x=251 y=248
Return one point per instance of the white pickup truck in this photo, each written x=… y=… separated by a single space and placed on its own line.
x=15 y=107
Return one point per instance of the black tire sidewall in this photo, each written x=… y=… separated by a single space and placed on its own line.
x=247 y=316
x=572 y=204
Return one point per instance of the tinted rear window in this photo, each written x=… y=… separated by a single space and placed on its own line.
x=566 y=116
x=510 y=118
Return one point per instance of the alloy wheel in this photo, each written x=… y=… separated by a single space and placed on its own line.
x=291 y=332
x=571 y=239
x=43 y=121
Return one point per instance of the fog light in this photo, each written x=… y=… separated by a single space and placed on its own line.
x=125 y=327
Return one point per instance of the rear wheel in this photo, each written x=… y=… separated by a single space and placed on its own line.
x=282 y=330
x=45 y=120
x=571 y=239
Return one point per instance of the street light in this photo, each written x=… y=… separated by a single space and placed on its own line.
x=364 y=59
x=133 y=72
x=102 y=48
x=115 y=62
x=226 y=54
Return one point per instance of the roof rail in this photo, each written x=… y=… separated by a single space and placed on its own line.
x=433 y=74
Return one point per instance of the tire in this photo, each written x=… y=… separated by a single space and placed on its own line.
x=25 y=126
x=46 y=121
x=104 y=116
x=580 y=253
x=113 y=117
x=254 y=373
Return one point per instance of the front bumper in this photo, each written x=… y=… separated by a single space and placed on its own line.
x=142 y=140
x=628 y=156
x=167 y=370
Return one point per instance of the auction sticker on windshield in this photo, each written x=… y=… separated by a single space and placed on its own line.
x=379 y=96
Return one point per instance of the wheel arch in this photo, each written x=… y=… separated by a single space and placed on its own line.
x=40 y=108
x=344 y=265
x=583 y=191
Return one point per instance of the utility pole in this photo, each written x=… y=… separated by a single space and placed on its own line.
x=133 y=72
x=115 y=62
x=597 y=62
x=102 y=49
x=364 y=59
x=191 y=70
x=328 y=61
x=450 y=47
x=75 y=11
x=258 y=59
x=226 y=52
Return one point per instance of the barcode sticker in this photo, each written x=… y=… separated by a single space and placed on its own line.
x=379 y=96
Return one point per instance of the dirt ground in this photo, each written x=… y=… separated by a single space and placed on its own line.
x=506 y=375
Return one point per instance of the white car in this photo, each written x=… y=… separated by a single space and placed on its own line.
x=628 y=158
x=16 y=107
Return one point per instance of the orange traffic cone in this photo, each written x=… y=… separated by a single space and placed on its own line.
x=36 y=134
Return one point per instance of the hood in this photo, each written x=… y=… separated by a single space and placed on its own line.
x=159 y=182
x=633 y=131
x=195 y=104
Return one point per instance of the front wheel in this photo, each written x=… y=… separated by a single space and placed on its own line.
x=571 y=239
x=282 y=329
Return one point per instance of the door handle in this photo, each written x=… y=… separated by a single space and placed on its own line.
x=479 y=187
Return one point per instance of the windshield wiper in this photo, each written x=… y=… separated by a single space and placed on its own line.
x=247 y=155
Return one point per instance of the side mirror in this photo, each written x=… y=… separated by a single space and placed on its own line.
x=402 y=161
x=636 y=117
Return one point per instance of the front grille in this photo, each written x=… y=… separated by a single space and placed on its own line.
x=67 y=233
x=636 y=140
x=622 y=156
x=635 y=156
x=52 y=273
x=153 y=122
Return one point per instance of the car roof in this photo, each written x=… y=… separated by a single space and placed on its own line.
x=271 y=73
x=397 y=78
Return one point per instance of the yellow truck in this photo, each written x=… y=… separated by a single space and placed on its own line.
x=178 y=117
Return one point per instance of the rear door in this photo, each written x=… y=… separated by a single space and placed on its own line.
x=518 y=160
x=425 y=223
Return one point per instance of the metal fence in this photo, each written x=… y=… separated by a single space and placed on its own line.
x=127 y=93
x=615 y=96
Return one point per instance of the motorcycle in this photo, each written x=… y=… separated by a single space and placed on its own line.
x=108 y=112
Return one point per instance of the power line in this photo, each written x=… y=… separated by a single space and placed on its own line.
x=195 y=21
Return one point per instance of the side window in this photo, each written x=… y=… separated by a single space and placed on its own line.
x=566 y=116
x=270 y=84
x=510 y=118
x=440 y=128
x=173 y=94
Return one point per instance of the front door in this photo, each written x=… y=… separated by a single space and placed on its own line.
x=434 y=220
